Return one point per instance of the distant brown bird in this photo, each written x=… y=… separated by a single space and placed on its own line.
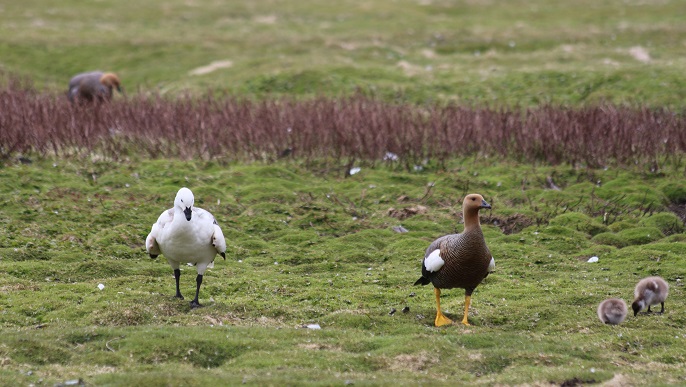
x=650 y=291
x=612 y=311
x=458 y=260
x=94 y=85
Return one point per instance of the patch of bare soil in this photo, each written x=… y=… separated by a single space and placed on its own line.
x=508 y=224
x=415 y=363
x=573 y=382
x=404 y=213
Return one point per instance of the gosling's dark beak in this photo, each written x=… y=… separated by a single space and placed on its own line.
x=484 y=204
x=188 y=212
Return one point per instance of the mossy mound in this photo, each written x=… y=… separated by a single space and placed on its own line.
x=580 y=222
x=641 y=235
x=667 y=222
x=611 y=239
x=674 y=192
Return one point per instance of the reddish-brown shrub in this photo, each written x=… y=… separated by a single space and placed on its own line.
x=345 y=129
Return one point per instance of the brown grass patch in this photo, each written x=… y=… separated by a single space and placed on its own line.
x=415 y=363
x=341 y=130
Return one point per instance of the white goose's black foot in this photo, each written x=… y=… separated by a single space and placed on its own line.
x=195 y=303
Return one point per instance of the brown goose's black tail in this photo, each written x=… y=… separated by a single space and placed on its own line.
x=422 y=281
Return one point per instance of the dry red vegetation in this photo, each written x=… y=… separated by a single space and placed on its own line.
x=345 y=129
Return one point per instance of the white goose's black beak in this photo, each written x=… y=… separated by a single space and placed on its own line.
x=188 y=212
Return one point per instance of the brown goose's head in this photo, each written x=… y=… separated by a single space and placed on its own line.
x=473 y=203
x=470 y=210
x=111 y=80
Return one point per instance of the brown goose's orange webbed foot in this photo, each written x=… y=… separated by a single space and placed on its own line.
x=440 y=317
x=467 y=301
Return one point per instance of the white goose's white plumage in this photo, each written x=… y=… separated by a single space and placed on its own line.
x=186 y=234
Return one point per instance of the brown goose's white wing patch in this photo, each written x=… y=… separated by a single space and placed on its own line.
x=433 y=262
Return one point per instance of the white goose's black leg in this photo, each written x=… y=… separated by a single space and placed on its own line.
x=195 y=303
x=177 y=275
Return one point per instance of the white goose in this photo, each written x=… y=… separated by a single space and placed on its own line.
x=186 y=234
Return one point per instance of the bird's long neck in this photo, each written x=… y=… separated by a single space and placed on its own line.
x=471 y=220
x=180 y=219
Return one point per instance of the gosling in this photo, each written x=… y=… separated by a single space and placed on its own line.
x=650 y=291
x=612 y=311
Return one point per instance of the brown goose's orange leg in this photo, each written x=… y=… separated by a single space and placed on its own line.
x=440 y=317
x=467 y=301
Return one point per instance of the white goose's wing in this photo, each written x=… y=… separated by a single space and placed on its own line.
x=151 y=244
x=217 y=240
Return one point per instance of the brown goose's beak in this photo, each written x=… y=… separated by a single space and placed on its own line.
x=484 y=204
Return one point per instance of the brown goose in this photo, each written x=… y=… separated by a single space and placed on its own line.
x=458 y=260
x=612 y=311
x=650 y=291
x=94 y=85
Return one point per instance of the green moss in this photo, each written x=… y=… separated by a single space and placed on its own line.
x=622 y=225
x=308 y=259
x=675 y=192
x=611 y=239
x=37 y=352
x=667 y=222
x=641 y=235
x=579 y=222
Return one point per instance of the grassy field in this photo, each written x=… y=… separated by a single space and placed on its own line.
x=315 y=248
x=310 y=247
x=520 y=52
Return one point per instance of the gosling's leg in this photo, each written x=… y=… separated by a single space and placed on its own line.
x=662 y=304
x=440 y=317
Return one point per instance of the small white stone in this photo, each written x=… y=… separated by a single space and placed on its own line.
x=101 y=286
x=355 y=170
x=593 y=259
x=313 y=326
